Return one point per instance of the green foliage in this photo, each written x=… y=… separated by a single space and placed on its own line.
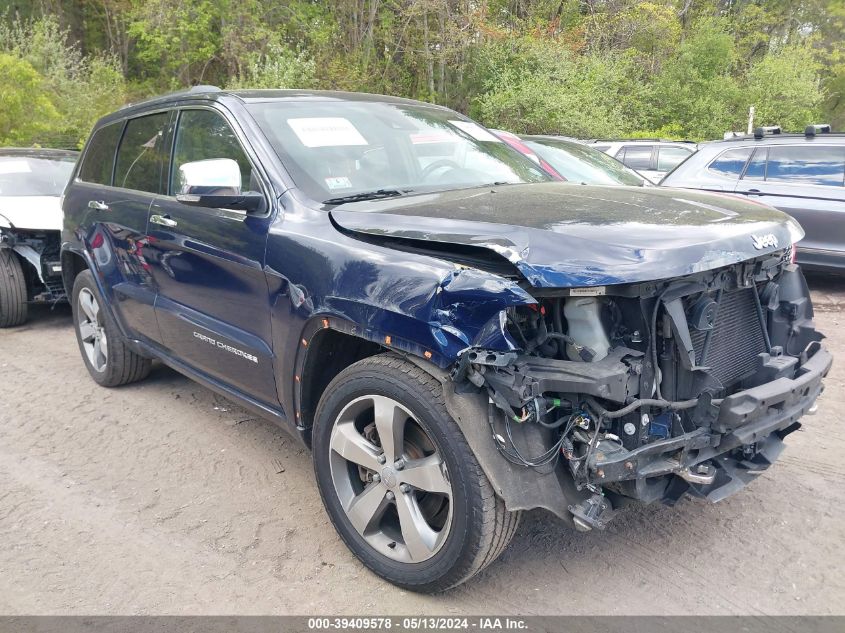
x=532 y=86
x=175 y=38
x=26 y=112
x=79 y=88
x=785 y=88
x=696 y=94
x=279 y=67
x=672 y=68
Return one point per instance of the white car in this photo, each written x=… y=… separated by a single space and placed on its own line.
x=652 y=158
x=31 y=184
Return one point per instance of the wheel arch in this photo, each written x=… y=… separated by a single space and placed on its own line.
x=327 y=351
x=73 y=263
x=343 y=344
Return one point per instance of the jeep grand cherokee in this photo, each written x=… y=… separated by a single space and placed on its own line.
x=455 y=337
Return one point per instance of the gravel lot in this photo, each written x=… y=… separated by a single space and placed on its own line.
x=163 y=498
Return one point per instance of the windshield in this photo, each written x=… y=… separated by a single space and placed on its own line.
x=580 y=163
x=29 y=176
x=334 y=150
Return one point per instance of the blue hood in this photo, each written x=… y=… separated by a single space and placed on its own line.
x=560 y=235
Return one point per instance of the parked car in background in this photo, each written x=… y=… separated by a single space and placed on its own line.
x=31 y=183
x=578 y=162
x=456 y=337
x=801 y=174
x=653 y=158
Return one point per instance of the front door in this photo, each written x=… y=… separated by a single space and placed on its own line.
x=213 y=305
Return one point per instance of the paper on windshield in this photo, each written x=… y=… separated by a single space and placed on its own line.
x=326 y=132
x=14 y=167
x=475 y=131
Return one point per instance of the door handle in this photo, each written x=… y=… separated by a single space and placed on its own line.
x=163 y=220
x=754 y=191
x=98 y=205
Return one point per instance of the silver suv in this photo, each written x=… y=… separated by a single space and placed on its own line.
x=800 y=174
x=653 y=158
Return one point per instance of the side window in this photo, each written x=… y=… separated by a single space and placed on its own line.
x=98 y=164
x=757 y=167
x=142 y=158
x=203 y=135
x=670 y=157
x=731 y=162
x=637 y=156
x=807 y=164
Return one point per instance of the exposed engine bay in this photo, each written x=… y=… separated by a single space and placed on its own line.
x=653 y=390
x=38 y=251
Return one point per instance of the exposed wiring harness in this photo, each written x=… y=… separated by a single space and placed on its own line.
x=510 y=451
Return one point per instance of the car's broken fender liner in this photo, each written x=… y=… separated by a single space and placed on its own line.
x=520 y=488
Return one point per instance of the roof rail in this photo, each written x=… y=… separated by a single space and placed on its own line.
x=629 y=140
x=768 y=130
x=201 y=89
x=817 y=128
x=204 y=88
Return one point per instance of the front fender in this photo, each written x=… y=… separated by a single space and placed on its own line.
x=519 y=487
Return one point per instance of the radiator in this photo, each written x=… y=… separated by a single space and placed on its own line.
x=736 y=341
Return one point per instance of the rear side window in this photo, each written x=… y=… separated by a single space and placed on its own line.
x=97 y=166
x=807 y=164
x=670 y=157
x=730 y=163
x=636 y=156
x=143 y=158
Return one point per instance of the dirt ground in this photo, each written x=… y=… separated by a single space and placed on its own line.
x=163 y=498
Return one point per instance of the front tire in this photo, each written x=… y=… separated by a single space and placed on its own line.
x=13 y=295
x=105 y=353
x=399 y=481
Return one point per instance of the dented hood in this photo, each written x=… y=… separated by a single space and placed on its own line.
x=560 y=235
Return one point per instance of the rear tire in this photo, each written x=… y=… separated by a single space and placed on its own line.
x=457 y=524
x=13 y=295
x=105 y=353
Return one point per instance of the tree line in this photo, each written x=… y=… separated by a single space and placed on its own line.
x=586 y=68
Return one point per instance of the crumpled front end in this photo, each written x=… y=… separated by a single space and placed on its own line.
x=653 y=390
x=38 y=251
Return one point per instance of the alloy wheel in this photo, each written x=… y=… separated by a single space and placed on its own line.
x=390 y=479
x=91 y=331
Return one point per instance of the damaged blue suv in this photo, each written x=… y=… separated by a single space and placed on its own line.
x=456 y=338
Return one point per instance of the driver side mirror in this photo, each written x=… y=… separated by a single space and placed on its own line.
x=215 y=183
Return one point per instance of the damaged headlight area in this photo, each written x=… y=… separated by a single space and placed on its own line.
x=650 y=391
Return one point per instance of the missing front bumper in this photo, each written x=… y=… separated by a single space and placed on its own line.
x=742 y=441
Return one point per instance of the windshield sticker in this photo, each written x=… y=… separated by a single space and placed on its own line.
x=338 y=182
x=14 y=167
x=326 y=132
x=475 y=131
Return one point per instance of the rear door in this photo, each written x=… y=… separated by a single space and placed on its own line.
x=213 y=301
x=119 y=177
x=807 y=181
x=670 y=156
x=640 y=157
